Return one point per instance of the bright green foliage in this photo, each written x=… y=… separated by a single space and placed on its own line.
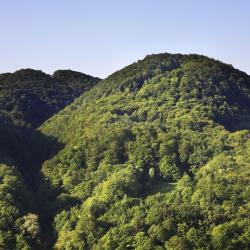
x=27 y=98
x=149 y=160
x=156 y=156
x=15 y=231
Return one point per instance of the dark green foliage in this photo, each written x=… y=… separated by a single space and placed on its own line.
x=150 y=160
x=17 y=231
x=77 y=81
x=156 y=156
x=28 y=97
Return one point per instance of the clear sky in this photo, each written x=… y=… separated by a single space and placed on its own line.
x=99 y=37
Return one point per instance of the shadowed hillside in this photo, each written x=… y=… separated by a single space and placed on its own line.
x=154 y=158
x=28 y=97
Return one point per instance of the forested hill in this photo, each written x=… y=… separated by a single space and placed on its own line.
x=156 y=156
x=28 y=97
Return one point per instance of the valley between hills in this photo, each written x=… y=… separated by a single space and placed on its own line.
x=155 y=156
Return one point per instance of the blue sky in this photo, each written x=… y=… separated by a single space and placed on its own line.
x=100 y=37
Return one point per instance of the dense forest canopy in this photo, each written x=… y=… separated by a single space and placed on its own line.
x=28 y=97
x=156 y=156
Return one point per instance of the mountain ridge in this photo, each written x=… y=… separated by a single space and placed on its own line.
x=149 y=132
x=29 y=97
x=155 y=156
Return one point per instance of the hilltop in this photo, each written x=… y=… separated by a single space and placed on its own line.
x=155 y=156
x=28 y=97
